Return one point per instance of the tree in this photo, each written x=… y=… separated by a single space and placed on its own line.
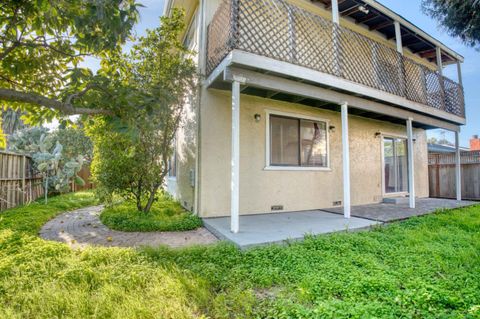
x=74 y=142
x=56 y=166
x=156 y=80
x=42 y=43
x=11 y=120
x=459 y=17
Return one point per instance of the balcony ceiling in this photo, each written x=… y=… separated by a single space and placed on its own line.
x=376 y=20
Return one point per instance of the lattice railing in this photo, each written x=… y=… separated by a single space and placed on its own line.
x=220 y=35
x=279 y=30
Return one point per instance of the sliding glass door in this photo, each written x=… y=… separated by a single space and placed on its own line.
x=395 y=166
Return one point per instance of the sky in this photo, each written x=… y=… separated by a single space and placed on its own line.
x=409 y=9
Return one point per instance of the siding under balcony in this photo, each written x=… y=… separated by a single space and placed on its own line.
x=284 y=32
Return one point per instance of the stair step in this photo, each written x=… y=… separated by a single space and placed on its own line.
x=396 y=200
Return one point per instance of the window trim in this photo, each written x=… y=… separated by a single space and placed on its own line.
x=269 y=166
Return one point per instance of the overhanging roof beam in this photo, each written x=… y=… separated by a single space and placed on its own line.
x=381 y=25
x=350 y=11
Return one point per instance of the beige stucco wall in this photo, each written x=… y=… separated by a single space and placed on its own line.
x=183 y=184
x=182 y=187
x=295 y=190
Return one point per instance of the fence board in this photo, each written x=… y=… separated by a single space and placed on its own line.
x=19 y=184
x=84 y=174
x=441 y=172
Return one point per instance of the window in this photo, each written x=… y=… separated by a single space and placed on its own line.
x=395 y=165
x=298 y=142
x=172 y=161
x=190 y=41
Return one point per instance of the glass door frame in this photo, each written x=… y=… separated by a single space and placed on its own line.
x=393 y=137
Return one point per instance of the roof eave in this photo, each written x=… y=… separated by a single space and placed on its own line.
x=380 y=7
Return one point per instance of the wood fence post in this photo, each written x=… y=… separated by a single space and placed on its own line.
x=23 y=170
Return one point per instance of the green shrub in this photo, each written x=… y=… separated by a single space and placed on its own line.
x=165 y=215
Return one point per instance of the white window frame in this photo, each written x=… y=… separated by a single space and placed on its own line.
x=269 y=167
x=382 y=145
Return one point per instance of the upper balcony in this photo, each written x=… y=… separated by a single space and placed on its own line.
x=278 y=30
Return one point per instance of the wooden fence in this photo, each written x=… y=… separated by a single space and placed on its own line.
x=441 y=172
x=85 y=175
x=18 y=182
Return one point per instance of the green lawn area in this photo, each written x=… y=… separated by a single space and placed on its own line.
x=426 y=267
x=165 y=215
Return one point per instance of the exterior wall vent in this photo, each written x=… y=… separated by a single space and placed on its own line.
x=277 y=207
x=337 y=203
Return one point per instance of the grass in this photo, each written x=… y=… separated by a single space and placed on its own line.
x=426 y=267
x=29 y=219
x=165 y=215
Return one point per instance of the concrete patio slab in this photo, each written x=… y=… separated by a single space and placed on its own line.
x=386 y=212
x=279 y=227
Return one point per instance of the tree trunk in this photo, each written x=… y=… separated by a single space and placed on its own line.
x=151 y=198
x=139 y=203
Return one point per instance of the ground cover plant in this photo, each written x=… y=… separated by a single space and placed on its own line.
x=426 y=267
x=166 y=215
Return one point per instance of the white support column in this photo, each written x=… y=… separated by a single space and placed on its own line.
x=459 y=73
x=411 y=170
x=439 y=61
x=346 y=161
x=458 y=168
x=398 y=37
x=335 y=15
x=235 y=190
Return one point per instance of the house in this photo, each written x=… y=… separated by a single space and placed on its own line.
x=309 y=104
x=475 y=143
x=434 y=148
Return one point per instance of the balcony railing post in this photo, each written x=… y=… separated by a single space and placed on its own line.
x=459 y=73
x=402 y=75
x=440 y=78
x=336 y=37
x=292 y=33
x=235 y=24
